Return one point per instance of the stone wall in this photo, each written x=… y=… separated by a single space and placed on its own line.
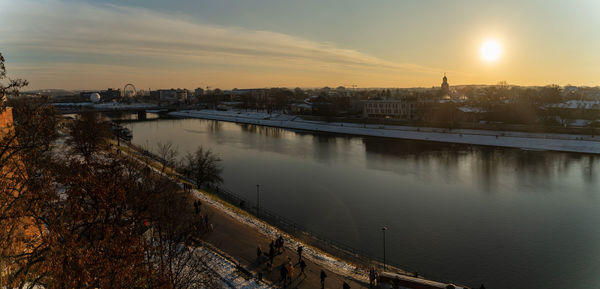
x=6 y=118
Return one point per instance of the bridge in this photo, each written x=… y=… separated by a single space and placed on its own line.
x=141 y=110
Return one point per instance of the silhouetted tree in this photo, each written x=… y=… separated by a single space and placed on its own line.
x=203 y=167
x=88 y=133
x=167 y=154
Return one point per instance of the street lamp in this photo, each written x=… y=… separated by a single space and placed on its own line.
x=257 y=201
x=383 y=229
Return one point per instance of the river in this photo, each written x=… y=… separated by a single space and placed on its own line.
x=506 y=218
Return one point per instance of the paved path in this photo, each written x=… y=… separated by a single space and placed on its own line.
x=240 y=241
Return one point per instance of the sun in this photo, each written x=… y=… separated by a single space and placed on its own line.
x=491 y=50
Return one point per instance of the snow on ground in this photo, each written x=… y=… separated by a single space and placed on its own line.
x=577 y=104
x=220 y=263
x=524 y=140
x=227 y=270
x=228 y=276
x=338 y=266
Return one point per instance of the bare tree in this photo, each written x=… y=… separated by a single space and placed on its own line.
x=67 y=223
x=88 y=134
x=175 y=228
x=167 y=154
x=11 y=88
x=203 y=167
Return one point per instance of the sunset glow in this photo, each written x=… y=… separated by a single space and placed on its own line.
x=228 y=44
x=491 y=51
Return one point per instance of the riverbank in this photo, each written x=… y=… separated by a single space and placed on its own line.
x=522 y=140
x=238 y=254
x=232 y=246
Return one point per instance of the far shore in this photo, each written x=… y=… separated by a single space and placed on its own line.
x=522 y=140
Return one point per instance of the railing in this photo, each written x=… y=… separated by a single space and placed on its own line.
x=337 y=249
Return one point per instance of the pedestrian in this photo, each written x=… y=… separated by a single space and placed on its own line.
x=271 y=254
x=299 y=250
x=396 y=283
x=302 y=267
x=323 y=276
x=372 y=277
x=345 y=286
x=280 y=245
x=283 y=273
x=277 y=244
x=290 y=270
x=272 y=245
x=258 y=254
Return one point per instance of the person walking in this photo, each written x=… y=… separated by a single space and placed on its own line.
x=290 y=272
x=323 y=276
x=302 y=267
x=283 y=273
x=271 y=253
x=299 y=250
x=372 y=277
x=258 y=254
x=280 y=244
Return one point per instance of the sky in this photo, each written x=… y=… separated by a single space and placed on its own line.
x=310 y=43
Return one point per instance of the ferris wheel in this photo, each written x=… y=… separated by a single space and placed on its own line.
x=129 y=90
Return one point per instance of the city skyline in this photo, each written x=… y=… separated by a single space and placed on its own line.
x=85 y=45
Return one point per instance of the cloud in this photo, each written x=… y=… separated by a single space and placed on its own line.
x=123 y=34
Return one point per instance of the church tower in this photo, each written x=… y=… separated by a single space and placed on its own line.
x=445 y=85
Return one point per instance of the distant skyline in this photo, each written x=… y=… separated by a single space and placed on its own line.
x=273 y=43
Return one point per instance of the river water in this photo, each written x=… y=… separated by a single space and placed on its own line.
x=506 y=218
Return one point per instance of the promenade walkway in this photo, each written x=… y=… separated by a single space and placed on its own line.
x=238 y=238
x=241 y=240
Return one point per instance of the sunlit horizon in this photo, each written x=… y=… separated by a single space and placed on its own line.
x=68 y=44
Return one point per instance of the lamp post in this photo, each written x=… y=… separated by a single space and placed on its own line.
x=257 y=201
x=383 y=229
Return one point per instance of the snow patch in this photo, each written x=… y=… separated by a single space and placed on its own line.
x=538 y=141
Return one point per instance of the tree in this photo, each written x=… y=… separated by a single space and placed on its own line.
x=88 y=134
x=551 y=94
x=11 y=88
x=24 y=146
x=167 y=154
x=67 y=222
x=175 y=228
x=203 y=167
x=93 y=236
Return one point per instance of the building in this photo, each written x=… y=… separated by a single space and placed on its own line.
x=22 y=234
x=445 y=86
x=171 y=95
x=167 y=94
x=182 y=94
x=404 y=108
x=110 y=94
x=198 y=92
x=6 y=120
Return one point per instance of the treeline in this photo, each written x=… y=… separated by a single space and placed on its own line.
x=76 y=214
